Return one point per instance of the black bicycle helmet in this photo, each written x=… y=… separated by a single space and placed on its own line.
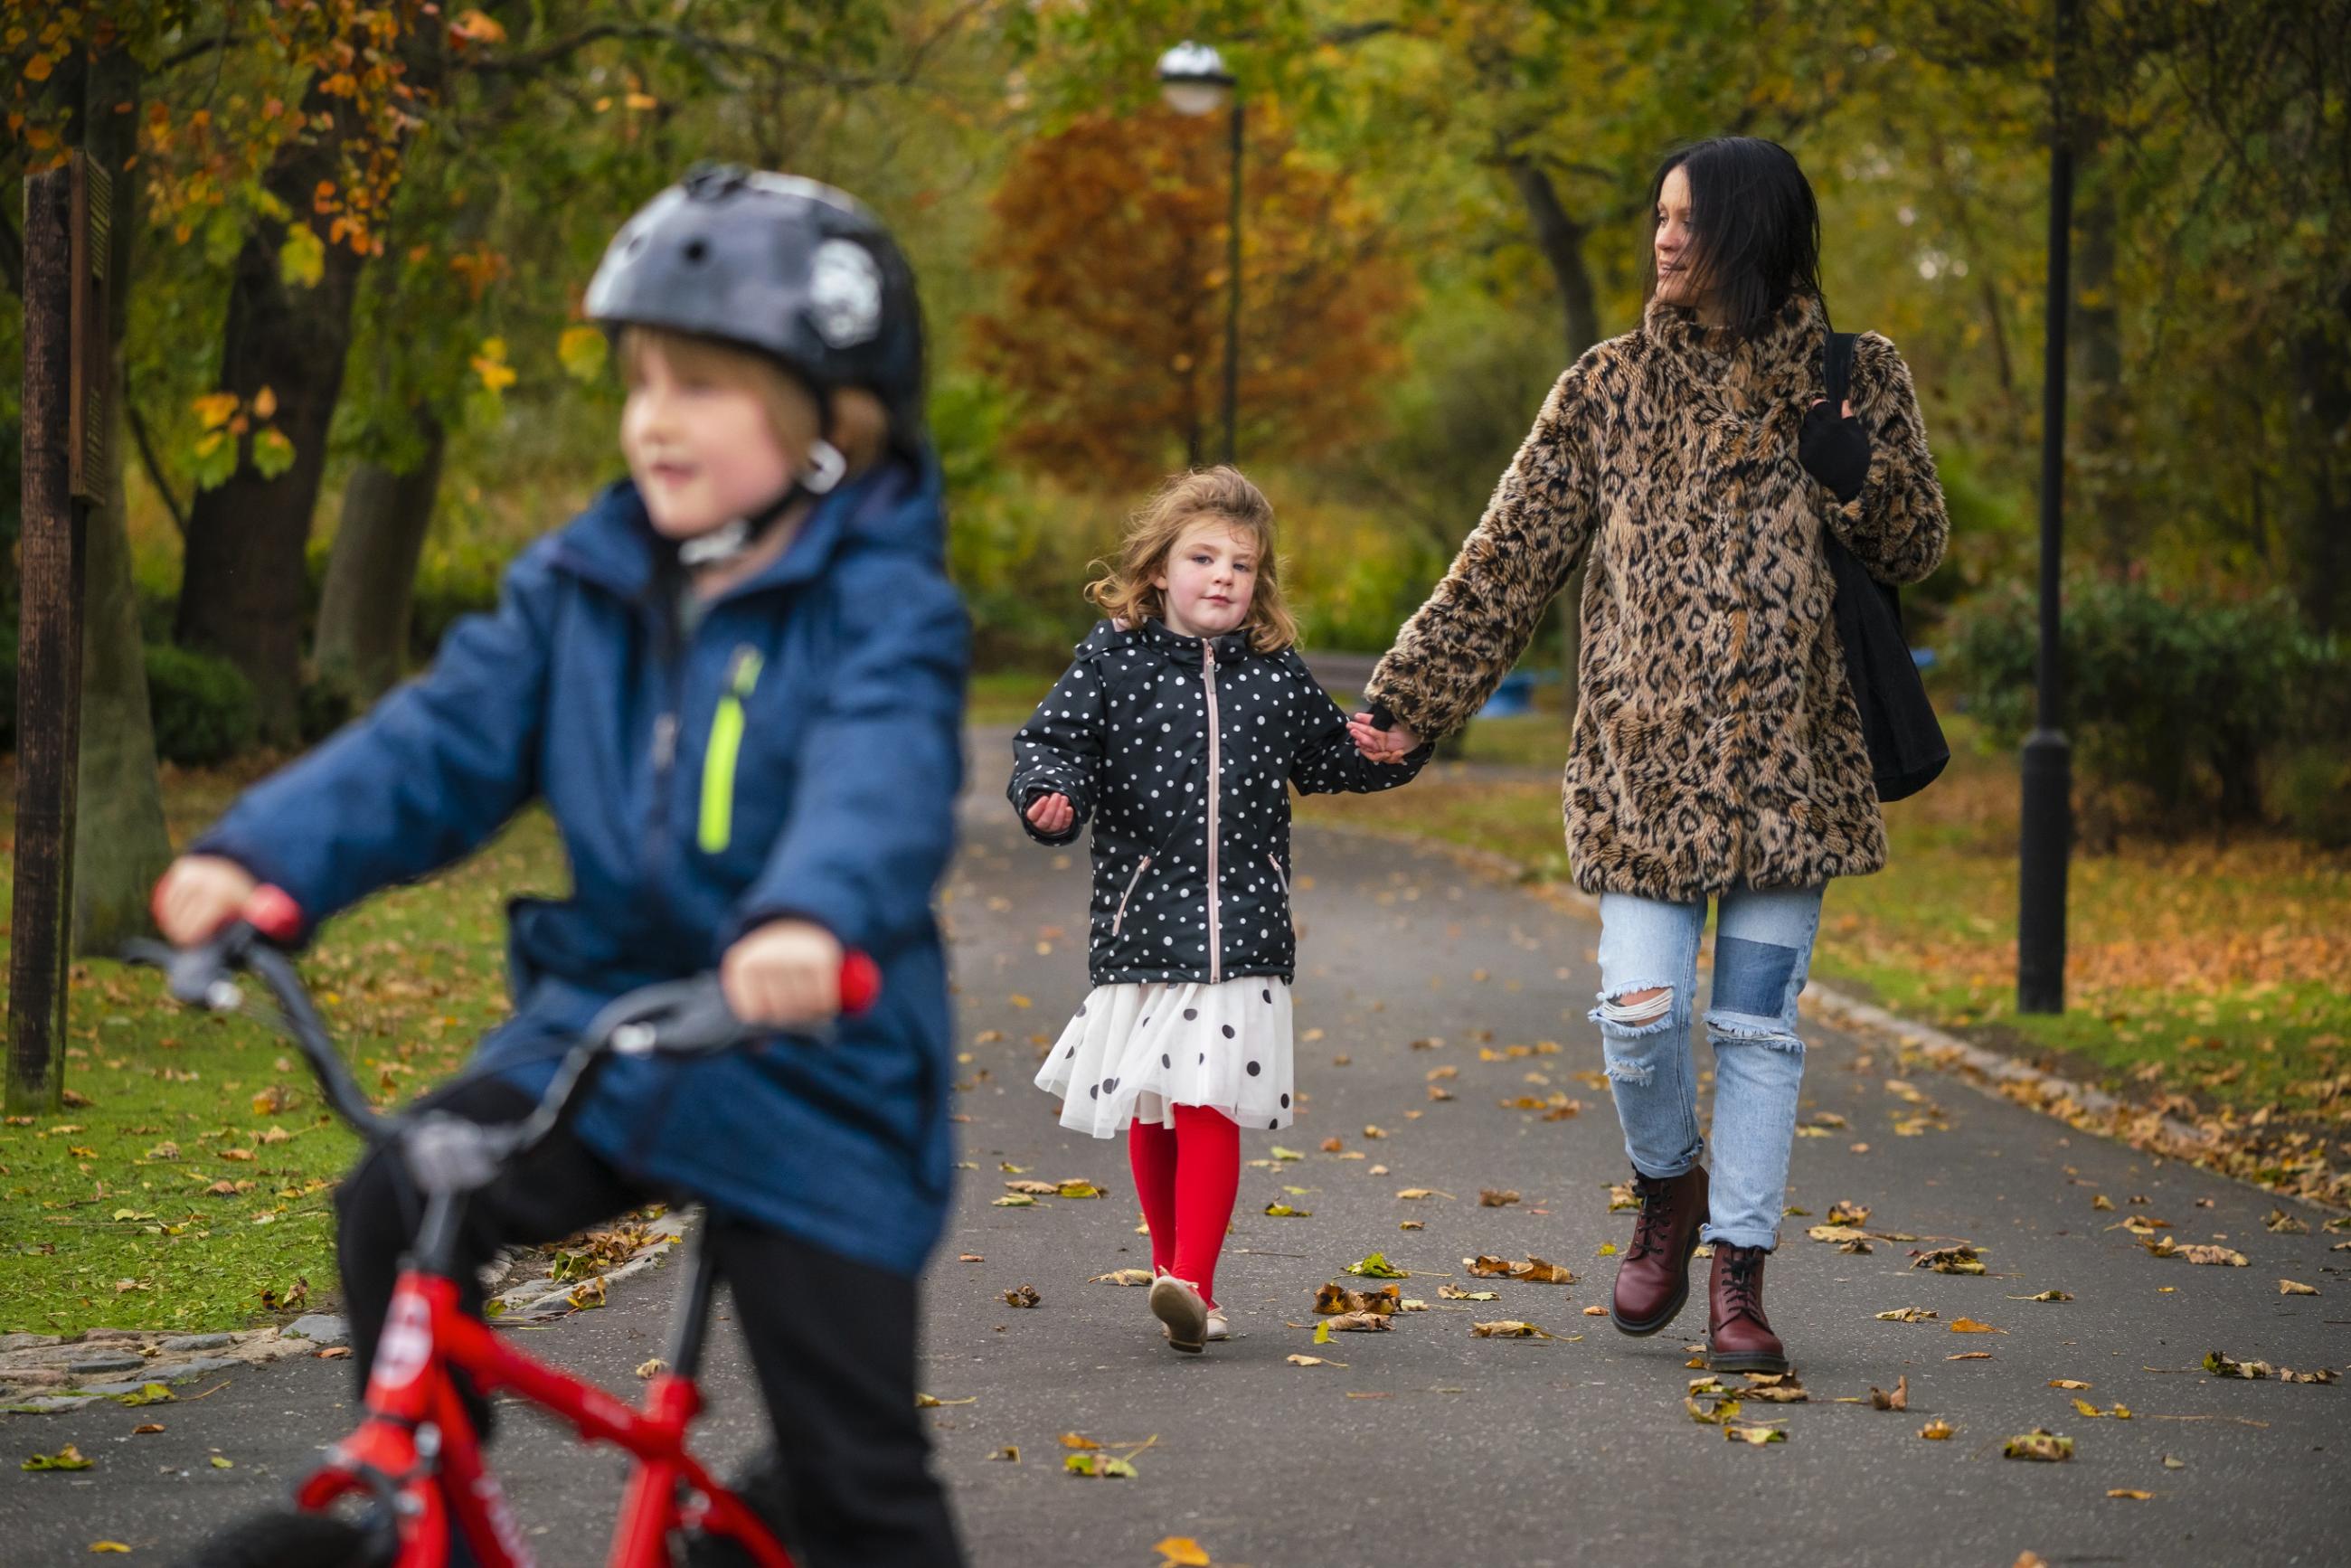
x=780 y=265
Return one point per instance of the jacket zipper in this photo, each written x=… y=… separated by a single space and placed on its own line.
x=666 y=740
x=716 y=828
x=1119 y=919
x=1216 y=769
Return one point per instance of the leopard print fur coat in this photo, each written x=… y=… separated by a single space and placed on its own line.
x=1717 y=743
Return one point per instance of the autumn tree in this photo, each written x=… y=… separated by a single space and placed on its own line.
x=1111 y=236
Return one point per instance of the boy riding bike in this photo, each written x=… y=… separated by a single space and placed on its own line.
x=736 y=682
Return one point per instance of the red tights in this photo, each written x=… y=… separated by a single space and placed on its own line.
x=1188 y=1176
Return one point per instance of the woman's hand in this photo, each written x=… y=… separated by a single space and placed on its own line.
x=1390 y=746
x=1052 y=813
x=1834 y=451
x=785 y=972
x=198 y=896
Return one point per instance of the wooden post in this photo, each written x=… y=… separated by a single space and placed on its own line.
x=68 y=229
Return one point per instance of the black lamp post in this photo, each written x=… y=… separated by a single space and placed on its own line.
x=2047 y=819
x=1194 y=82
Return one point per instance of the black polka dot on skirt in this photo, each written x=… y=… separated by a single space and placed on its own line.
x=1109 y=1083
x=1072 y=1051
x=1228 y=1032
x=1275 y=1124
x=1081 y=1009
x=1146 y=1023
x=1164 y=1061
x=1252 y=1070
x=1204 y=1056
x=1267 y=995
x=1285 y=1101
x=1095 y=1093
x=1191 y=1013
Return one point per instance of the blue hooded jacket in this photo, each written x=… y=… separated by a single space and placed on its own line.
x=796 y=754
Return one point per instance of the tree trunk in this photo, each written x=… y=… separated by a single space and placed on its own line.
x=243 y=591
x=121 y=845
x=363 y=610
x=2321 y=516
x=1561 y=239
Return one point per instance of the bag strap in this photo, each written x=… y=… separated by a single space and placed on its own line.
x=1836 y=367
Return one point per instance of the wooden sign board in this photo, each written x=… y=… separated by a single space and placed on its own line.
x=92 y=232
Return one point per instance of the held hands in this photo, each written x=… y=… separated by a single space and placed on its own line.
x=198 y=896
x=1052 y=813
x=1390 y=746
x=1834 y=450
x=783 y=973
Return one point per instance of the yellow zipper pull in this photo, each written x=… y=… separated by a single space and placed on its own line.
x=718 y=757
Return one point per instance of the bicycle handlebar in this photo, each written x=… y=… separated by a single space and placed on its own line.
x=674 y=1018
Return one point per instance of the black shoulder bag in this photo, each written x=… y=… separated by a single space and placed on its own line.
x=1906 y=748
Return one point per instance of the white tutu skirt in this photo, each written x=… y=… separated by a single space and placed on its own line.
x=1135 y=1051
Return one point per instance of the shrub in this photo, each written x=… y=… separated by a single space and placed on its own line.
x=203 y=707
x=2173 y=701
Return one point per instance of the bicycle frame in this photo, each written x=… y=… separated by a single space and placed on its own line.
x=416 y=1452
x=417 y=1448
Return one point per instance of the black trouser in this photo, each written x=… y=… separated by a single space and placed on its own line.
x=832 y=1340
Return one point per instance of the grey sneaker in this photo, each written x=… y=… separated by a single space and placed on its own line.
x=1177 y=1304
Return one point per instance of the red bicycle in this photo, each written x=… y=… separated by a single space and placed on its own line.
x=416 y=1461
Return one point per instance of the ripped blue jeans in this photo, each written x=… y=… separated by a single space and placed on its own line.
x=1762 y=951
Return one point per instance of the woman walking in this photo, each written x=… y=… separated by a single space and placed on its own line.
x=1718 y=751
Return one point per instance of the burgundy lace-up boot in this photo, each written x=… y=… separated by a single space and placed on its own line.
x=1738 y=1337
x=1652 y=1282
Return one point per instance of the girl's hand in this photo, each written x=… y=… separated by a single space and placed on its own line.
x=786 y=973
x=1391 y=745
x=198 y=896
x=1052 y=813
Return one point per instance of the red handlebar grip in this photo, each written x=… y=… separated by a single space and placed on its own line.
x=860 y=984
x=273 y=912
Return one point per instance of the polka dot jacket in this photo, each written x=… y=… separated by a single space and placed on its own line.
x=1182 y=750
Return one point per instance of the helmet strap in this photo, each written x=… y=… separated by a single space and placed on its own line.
x=731 y=541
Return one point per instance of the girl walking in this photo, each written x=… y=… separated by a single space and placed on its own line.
x=1178 y=732
x=1718 y=752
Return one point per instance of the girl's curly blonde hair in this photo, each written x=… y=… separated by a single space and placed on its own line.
x=1126 y=592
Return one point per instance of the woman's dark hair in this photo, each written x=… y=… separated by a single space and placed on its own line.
x=1755 y=229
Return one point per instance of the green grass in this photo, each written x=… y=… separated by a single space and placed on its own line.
x=114 y=1214
x=2206 y=970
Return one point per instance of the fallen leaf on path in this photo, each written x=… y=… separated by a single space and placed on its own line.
x=1281 y=1154
x=1970 y=1325
x=1971 y=1355
x=1596 y=1311
x=2103 y=1203
x=1897 y=1400
x=932 y=1402
x=1752 y=1432
x=1357 y=1322
x=1621 y=1196
x=1311 y=1361
x=1713 y=1414
x=1332 y=1145
x=2131 y=1494
x=2067 y=1383
x=1772 y=1388
x=149 y=1394
x=1938 y=1430
x=1099 y=1467
x=1908 y=1315
x=1284 y=1211
x=1416 y=1193
x=1959 y=1260
x=97 y=1546
x=1456 y=1293
x=2038 y=1444
x=66 y=1458
x=222 y=1462
x=653 y=1368
x=1078 y=1440
x=1021 y=1296
x=1837 y=1233
x=1377 y=1267
x=1014 y=1200
x=1009 y=1454
x=1508 y=1328
x=1844 y=1211
x=1119 y=1277
x=2295 y=1288
x=1181 y=1552
x=2324 y=1374
x=1034 y=1189
x=2044 y=1296
x=146 y=1429
x=2224 y=1257
x=587 y=1295
x=1334 y=1299
x=1533 y=1269
x=2281 y=1223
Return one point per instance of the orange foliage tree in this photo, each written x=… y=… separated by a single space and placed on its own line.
x=1112 y=238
